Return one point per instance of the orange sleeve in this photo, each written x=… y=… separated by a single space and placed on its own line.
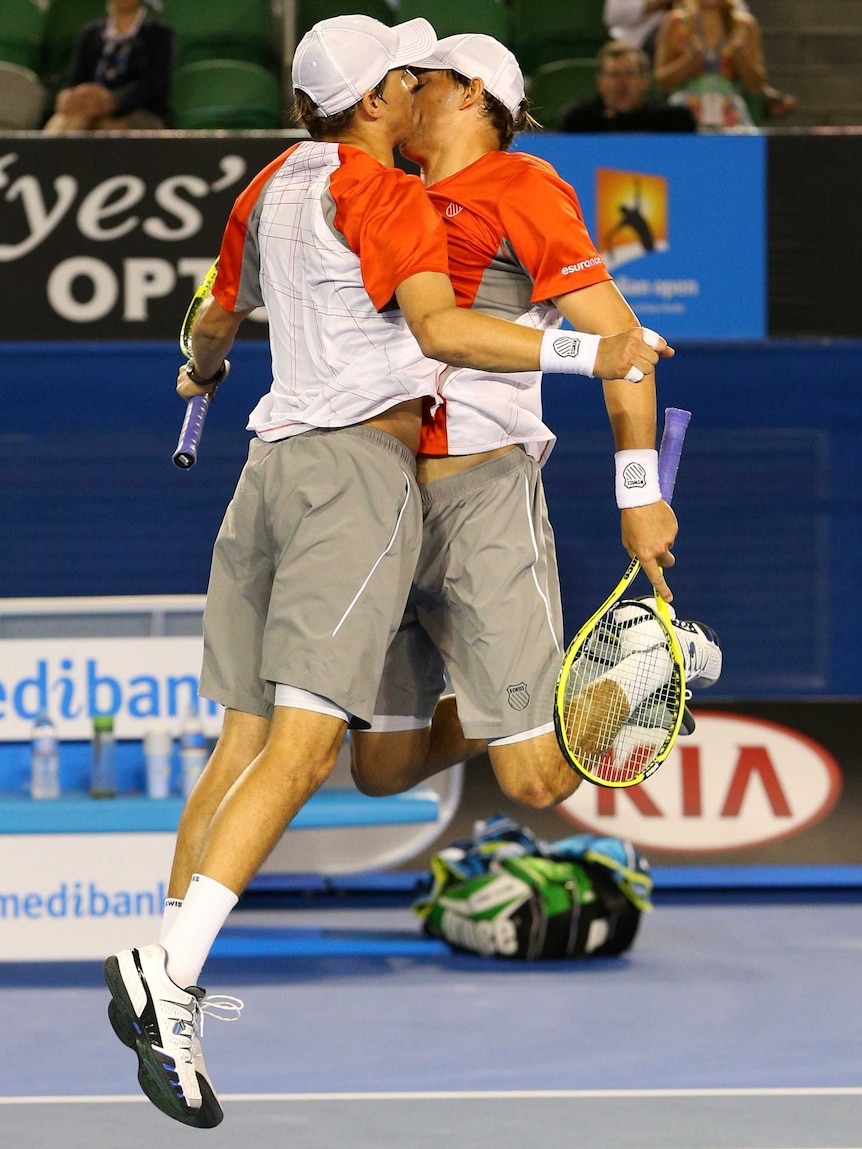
x=389 y=223
x=542 y=218
x=236 y=287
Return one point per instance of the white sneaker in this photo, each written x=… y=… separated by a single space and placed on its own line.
x=160 y=1021
x=128 y=1031
x=701 y=651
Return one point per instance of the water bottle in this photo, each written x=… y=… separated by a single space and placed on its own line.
x=103 y=768
x=194 y=751
x=158 y=748
x=44 y=759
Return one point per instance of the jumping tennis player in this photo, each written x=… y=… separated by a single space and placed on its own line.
x=486 y=600
x=314 y=560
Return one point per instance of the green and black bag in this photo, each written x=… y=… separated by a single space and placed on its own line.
x=505 y=893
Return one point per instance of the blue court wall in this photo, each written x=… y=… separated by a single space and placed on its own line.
x=769 y=495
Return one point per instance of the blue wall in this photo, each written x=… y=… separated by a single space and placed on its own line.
x=769 y=494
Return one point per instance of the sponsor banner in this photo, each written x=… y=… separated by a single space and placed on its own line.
x=79 y=897
x=140 y=681
x=757 y=784
x=735 y=783
x=109 y=242
x=691 y=262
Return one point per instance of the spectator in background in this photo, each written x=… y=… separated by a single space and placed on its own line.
x=623 y=79
x=709 y=57
x=120 y=73
x=638 y=21
x=635 y=21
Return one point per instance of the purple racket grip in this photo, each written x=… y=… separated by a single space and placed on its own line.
x=675 y=424
x=186 y=453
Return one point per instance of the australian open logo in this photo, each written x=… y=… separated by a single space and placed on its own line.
x=567 y=347
x=634 y=476
x=519 y=696
x=453 y=209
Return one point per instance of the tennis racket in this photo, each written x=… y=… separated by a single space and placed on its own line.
x=620 y=694
x=186 y=454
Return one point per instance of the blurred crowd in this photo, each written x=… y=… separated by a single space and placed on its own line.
x=593 y=65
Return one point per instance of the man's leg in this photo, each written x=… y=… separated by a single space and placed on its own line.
x=392 y=761
x=242 y=738
x=150 y=1005
x=297 y=758
x=533 y=772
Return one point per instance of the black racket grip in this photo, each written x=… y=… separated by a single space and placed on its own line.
x=185 y=456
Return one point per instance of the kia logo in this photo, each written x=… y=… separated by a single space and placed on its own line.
x=735 y=783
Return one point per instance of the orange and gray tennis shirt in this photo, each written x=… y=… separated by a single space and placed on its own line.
x=517 y=240
x=322 y=237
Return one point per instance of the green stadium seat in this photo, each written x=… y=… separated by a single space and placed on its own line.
x=22 y=98
x=63 y=22
x=21 y=30
x=233 y=95
x=452 y=16
x=222 y=30
x=544 y=31
x=552 y=86
x=310 y=12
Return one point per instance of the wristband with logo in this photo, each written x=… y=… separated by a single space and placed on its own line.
x=636 y=478
x=568 y=352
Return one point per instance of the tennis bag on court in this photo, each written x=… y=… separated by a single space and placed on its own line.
x=505 y=893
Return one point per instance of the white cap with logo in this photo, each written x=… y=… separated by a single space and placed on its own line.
x=337 y=61
x=475 y=55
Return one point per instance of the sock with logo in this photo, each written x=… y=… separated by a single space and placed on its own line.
x=198 y=920
x=169 y=916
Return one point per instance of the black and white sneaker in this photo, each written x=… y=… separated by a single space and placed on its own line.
x=161 y=1022
x=701 y=650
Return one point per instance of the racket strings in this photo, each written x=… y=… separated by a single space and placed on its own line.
x=622 y=695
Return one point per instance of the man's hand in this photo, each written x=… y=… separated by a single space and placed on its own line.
x=188 y=389
x=630 y=355
x=648 y=534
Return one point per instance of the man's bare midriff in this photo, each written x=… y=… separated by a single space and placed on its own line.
x=403 y=422
x=429 y=467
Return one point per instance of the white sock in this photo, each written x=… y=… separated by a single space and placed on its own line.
x=640 y=674
x=169 y=916
x=204 y=911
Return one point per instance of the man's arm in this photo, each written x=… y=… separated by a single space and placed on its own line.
x=647 y=531
x=212 y=338
x=465 y=338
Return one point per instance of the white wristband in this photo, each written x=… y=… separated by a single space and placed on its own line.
x=637 y=478
x=568 y=352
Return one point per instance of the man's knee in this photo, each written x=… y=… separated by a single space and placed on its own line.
x=533 y=773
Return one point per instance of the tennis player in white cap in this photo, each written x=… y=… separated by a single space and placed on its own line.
x=314 y=560
x=486 y=601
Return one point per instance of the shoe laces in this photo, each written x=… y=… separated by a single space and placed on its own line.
x=220 y=1006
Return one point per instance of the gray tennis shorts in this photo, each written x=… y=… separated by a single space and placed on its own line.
x=485 y=606
x=311 y=570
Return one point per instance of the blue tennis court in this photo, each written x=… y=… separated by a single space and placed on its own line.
x=734 y=1022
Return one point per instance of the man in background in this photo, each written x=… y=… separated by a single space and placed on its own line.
x=622 y=102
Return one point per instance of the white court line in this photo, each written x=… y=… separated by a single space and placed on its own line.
x=465 y=1095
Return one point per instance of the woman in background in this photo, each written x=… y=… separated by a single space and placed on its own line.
x=709 y=56
x=120 y=73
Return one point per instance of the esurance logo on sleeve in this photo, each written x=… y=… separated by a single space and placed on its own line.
x=735 y=783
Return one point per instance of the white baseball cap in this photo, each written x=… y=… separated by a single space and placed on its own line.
x=337 y=61
x=475 y=55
